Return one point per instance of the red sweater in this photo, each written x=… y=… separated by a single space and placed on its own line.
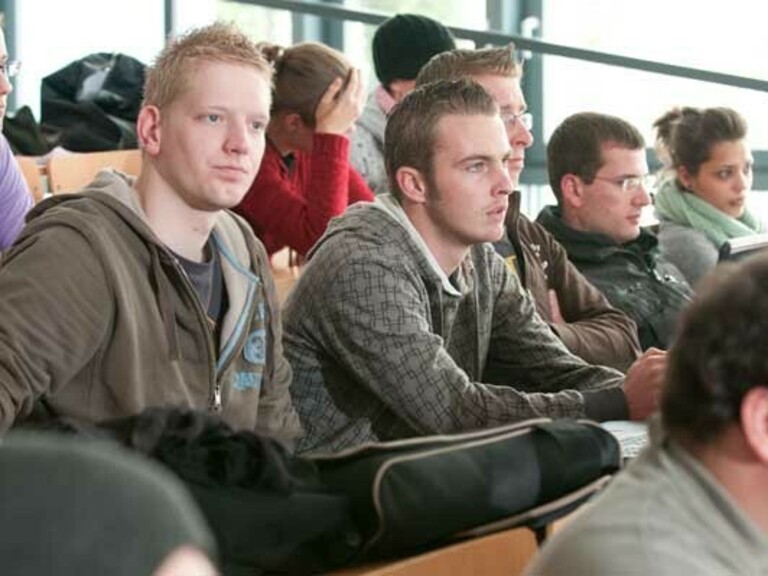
x=291 y=206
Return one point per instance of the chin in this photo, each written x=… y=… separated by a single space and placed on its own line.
x=628 y=237
x=492 y=236
x=736 y=213
x=232 y=196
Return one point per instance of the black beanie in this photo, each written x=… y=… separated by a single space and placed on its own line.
x=404 y=43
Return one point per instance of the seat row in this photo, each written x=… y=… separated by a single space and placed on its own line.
x=69 y=172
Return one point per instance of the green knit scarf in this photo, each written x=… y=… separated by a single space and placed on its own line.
x=684 y=208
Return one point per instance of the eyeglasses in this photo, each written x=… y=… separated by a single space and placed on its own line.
x=510 y=119
x=631 y=183
x=10 y=69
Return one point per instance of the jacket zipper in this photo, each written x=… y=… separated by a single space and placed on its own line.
x=215 y=404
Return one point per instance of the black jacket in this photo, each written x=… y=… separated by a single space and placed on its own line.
x=634 y=276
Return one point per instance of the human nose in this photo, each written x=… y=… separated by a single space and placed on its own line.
x=642 y=195
x=743 y=181
x=5 y=85
x=238 y=141
x=504 y=183
x=518 y=135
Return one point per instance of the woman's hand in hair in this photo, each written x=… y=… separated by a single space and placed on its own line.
x=341 y=105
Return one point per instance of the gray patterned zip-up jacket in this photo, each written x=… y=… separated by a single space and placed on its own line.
x=383 y=345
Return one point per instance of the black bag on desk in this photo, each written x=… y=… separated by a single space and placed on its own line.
x=92 y=104
x=414 y=494
x=24 y=134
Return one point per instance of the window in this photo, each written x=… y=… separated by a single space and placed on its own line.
x=727 y=38
x=49 y=36
x=261 y=24
x=358 y=37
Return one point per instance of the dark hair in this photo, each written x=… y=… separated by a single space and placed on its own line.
x=303 y=73
x=459 y=63
x=575 y=146
x=685 y=136
x=719 y=353
x=411 y=132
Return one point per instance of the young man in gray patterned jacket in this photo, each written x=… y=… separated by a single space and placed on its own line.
x=403 y=306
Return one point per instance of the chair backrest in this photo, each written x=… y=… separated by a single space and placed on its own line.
x=72 y=172
x=285 y=271
x=31 y=171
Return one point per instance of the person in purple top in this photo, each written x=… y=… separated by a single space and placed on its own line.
x=15 y=199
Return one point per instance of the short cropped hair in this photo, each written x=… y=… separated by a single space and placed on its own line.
x=719 y=353
x=171 y=71
x=460 y=63
x=575 y=146
x=411 y=132
x=303 y=73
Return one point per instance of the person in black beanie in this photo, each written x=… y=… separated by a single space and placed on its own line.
x=75 y=507
x=401 y=46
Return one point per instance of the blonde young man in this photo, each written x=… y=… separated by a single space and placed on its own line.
x=575 y=310
x=150 y=293
x=403 y=304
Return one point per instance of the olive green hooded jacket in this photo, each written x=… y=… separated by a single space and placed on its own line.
x=98 y=320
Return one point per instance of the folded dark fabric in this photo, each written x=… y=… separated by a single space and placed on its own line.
x=202 y=448
x=269 y=510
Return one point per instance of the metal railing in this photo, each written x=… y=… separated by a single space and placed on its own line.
x=535 y=174
x=481 y=37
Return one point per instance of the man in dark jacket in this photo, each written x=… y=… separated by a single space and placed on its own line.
x=574 y=309
x=599 y=174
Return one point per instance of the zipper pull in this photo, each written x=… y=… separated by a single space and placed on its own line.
x=216 y=398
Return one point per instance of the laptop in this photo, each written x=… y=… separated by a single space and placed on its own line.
x=632 y=436
x=738 y=248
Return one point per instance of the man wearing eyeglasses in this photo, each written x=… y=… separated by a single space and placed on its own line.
x=599 y=175
x=15 y=199
x=574 y=309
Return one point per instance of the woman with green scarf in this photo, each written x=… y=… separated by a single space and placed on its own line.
x=702 y=203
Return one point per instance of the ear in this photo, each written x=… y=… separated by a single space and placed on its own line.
x=684 y=177
x=412 y=184
x=292 y=122
x=572 y=189
x=754 y=422
x=148 y=129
